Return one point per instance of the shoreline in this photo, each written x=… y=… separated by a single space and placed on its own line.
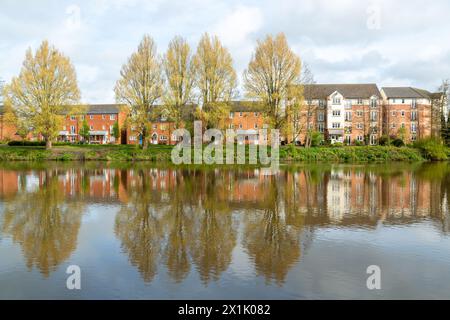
x=162 y=154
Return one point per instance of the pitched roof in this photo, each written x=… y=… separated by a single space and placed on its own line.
x=103 y=108
x=405 y=92
x=96 y=108
x=246 y=106
x=349 y=91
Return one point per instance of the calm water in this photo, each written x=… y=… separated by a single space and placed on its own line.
x=169 y=233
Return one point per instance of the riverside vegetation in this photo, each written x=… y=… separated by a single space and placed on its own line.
x=423 y=150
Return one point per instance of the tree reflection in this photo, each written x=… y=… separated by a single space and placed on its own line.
x=214 y=234
x=44 y=224
x=178 y=223
x=138 y=227
x=272 y=237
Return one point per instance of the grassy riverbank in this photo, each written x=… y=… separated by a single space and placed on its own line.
x=363 y=154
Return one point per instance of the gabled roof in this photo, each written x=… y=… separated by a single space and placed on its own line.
x=349 y=91
x=405 y=92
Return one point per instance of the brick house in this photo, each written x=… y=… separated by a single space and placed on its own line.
x=246 y=118
x=162 y=127
x=345 y=113
x=100 y=119
x=8 y=132
x=409 y=109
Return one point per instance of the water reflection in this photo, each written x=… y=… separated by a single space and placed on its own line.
x=179 y=221
x=41 y=221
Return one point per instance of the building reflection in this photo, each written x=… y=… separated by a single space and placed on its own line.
x=180 y=220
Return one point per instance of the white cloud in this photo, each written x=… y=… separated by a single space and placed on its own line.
x=410 y=47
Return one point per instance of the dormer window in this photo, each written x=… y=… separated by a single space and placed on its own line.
x=360 y=101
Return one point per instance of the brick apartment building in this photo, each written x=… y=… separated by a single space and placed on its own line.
x=344 y=113
x=410 y=112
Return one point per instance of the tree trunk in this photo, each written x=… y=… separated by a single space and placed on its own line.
x=48 y=144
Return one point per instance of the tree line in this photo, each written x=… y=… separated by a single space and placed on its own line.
x=36 y=99
x=47 y=83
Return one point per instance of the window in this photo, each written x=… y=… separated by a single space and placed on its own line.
x=309 y=101
x=91 y=117
x=360 y=138
x=72 y=118
x=231 y=115
x=336 y=125
x=256 y=126
x=336 y=113
x=413 y=138
x=360 y=101
x=413 y=127
x=373 y=103
x=413 y=115
x=393 y=100
x=240 y=114
x=403 y=113
x=336 y=100
x=373 y=116
x=403 y=100
x=111 y=129
x=103 y=116
x=82 y=117
x=91 y=127
x=103 y=127
x=112 y=117
x=163 y=127
x=163 y=138
x=393 y=125
x=394 y=113
x=310 y=126
x=359 y=113
x=132 y=138
x=359 y=125
x=373 y=140
x=231 y=126
x=256 y=114
x=72 y=129
x=321 y=127
x=348 y=116
x=403 y=125
x=240 y=126
x=414 y=103
x=320 y=116
x=154 y=127
x=321 y=103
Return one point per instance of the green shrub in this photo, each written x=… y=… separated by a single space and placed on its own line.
x=26 y=143
x=432 y=149
x=337 y=145
x=316 y=139
x=384 y=140
x=398 y=143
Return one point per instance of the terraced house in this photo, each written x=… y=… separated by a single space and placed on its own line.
x=247 y=118
x=100 y=119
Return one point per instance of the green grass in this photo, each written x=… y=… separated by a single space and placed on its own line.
x=162 y=154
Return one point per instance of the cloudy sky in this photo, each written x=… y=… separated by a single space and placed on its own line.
x=390 y=42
